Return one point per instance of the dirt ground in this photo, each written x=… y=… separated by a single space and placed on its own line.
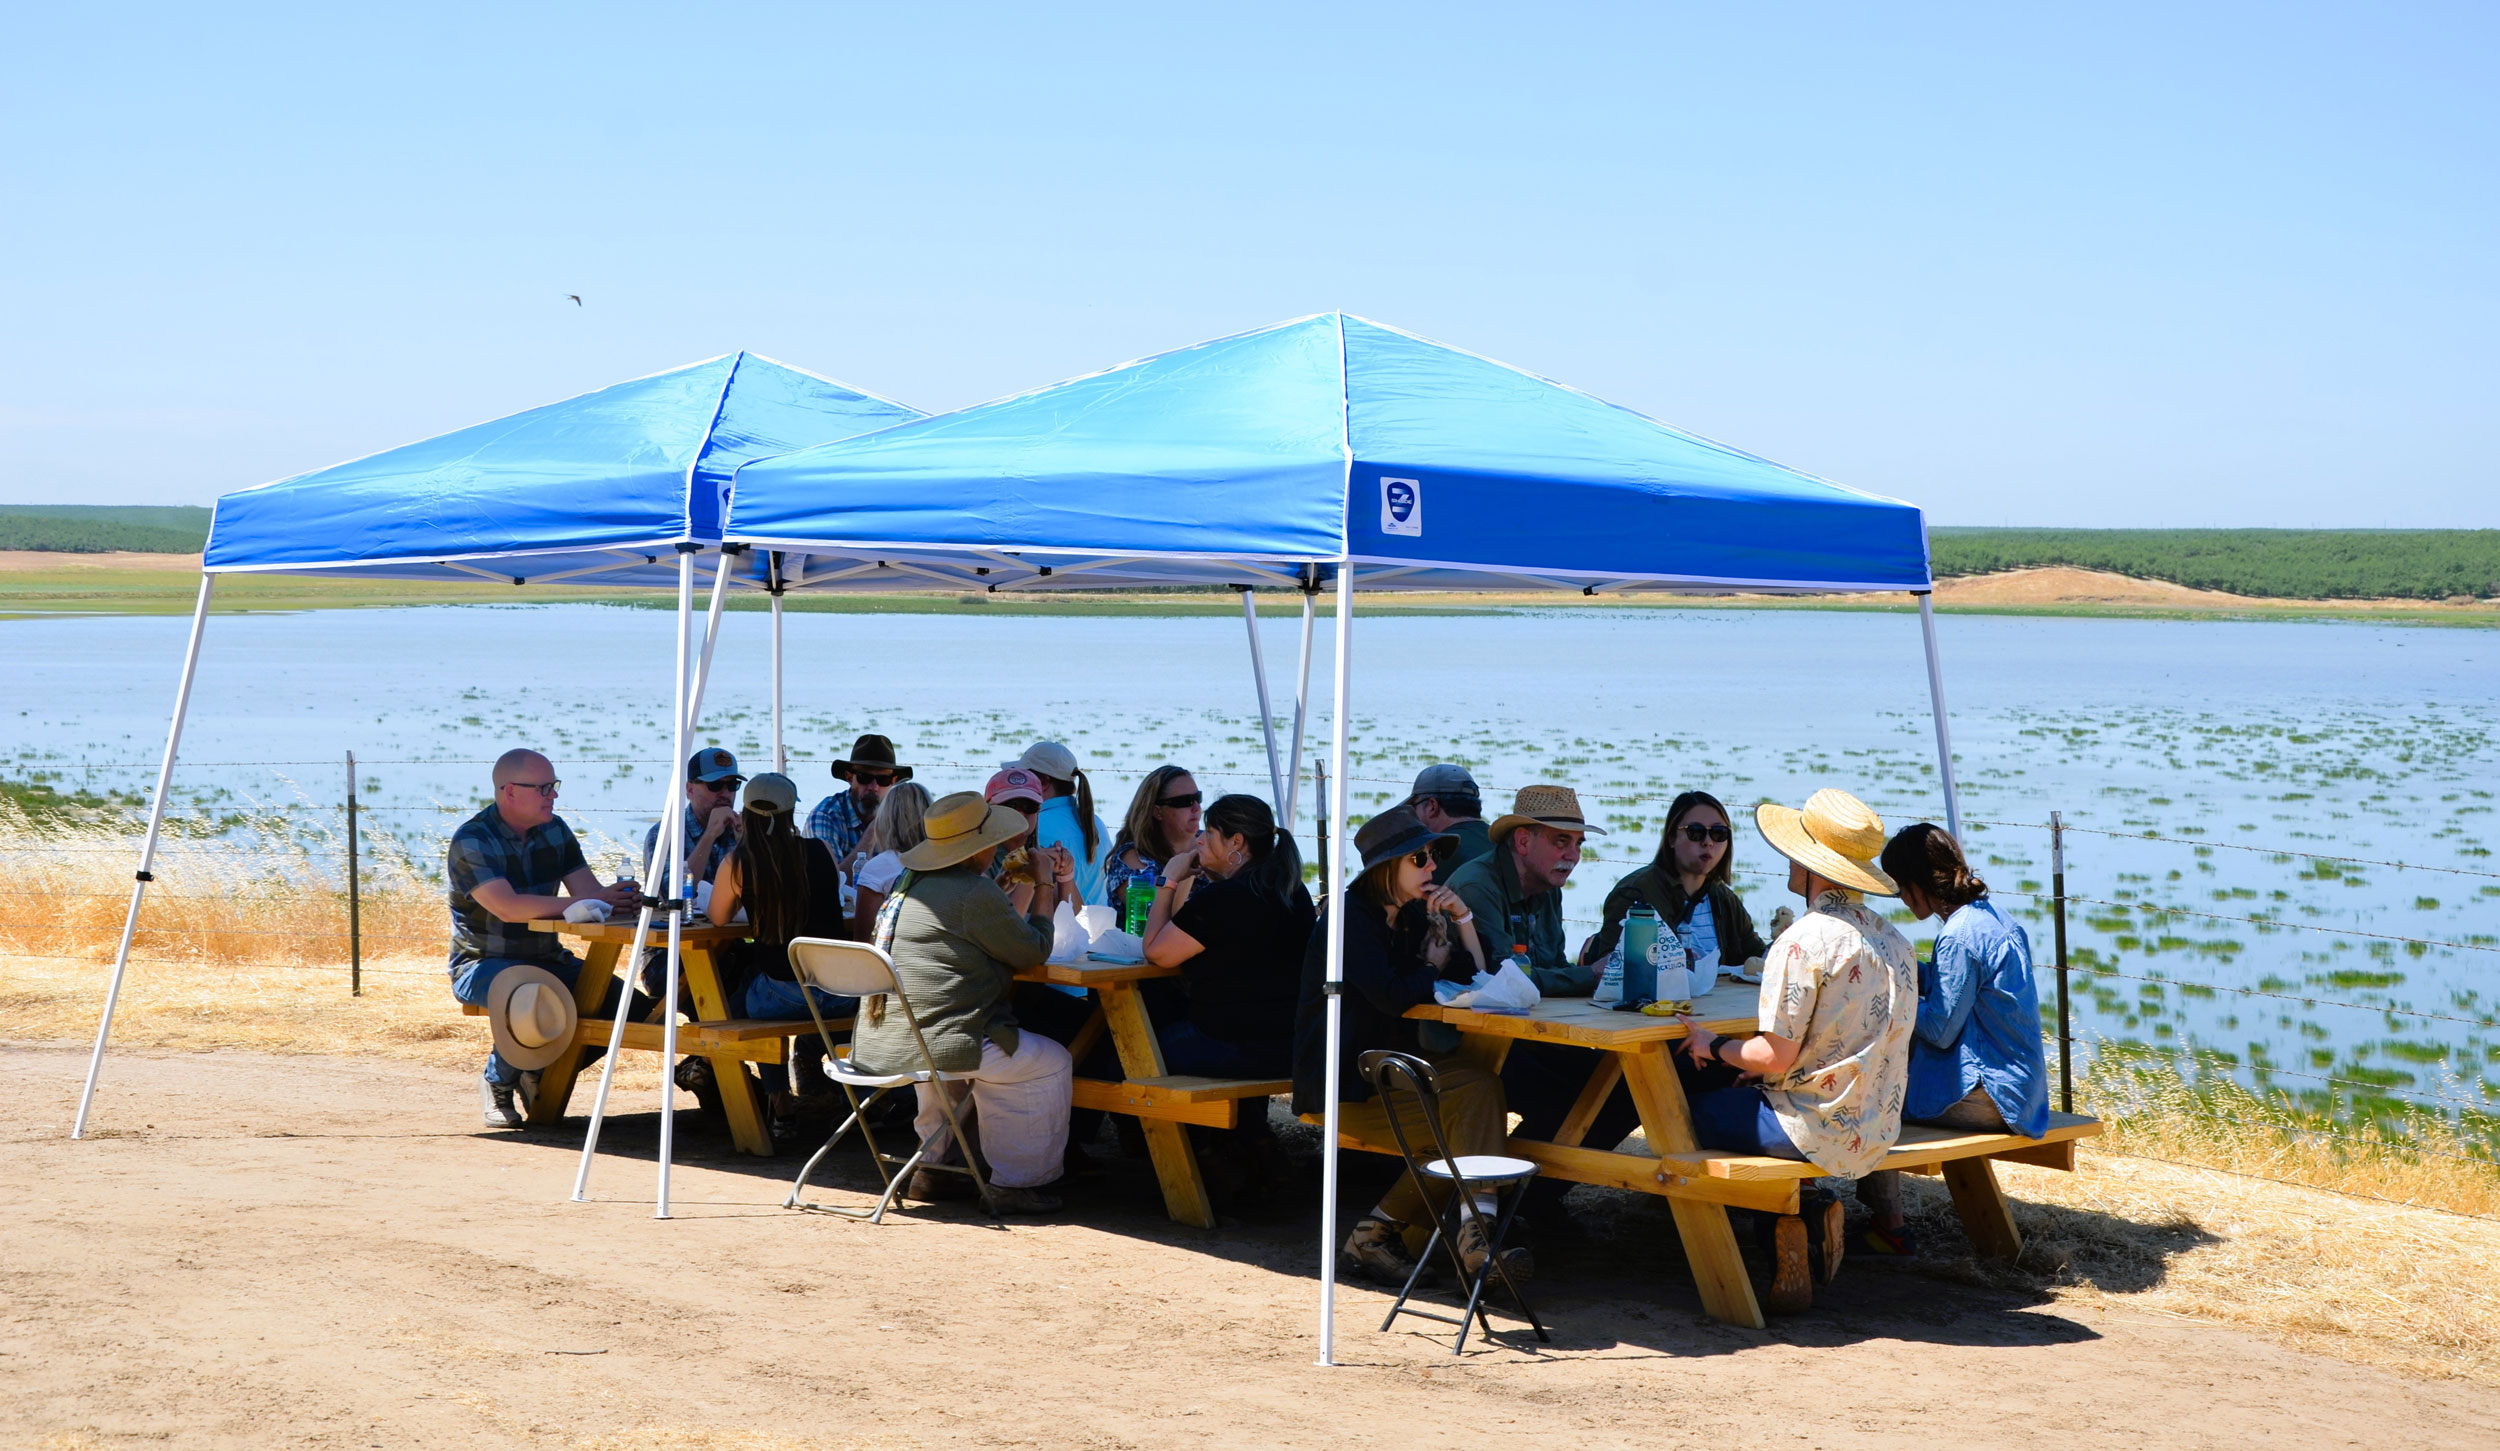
x=288 y=1251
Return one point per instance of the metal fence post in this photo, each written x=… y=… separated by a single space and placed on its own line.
x=355 y=906
x=2065 y=1038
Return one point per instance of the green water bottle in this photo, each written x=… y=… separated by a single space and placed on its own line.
x=1137 y=900
x=1640 y=938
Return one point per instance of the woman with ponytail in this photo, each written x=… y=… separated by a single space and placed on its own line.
x=1067 y=818
x=789 y=886
x=1238 y=943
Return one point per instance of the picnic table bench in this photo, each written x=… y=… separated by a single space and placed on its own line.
x=728 y=1043
x=1163 y=1104
x=1701 y=1185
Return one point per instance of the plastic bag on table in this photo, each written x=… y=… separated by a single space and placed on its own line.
x=1507 y=990
x=1068 y=937
x=588 y=909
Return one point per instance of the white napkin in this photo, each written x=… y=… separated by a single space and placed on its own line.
x=1505 y=991
x=1118 y=946
x=588 y=909
x=703 y=899
x=1097 y=920
x=1068 y=937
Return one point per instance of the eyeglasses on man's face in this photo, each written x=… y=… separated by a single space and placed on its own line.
x=543 y=788
x=871 y=778
x=1695 y=832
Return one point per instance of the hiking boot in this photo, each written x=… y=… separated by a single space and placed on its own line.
x=1376 y=1251
x=1887 y=1243
x=1518 y=1261
x=1792 y=1277
x=931 y=1186
x=1009 y=1199
x=495 y=1102
x=1826 y=1237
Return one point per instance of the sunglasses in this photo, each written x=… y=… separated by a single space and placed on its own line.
x=871 y=778
x=543 y=788
x=1183 y=802
x=1029 y=808
x=1696 y=833
x=1423 y=858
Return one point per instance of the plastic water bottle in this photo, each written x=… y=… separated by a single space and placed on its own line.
x=1640 y=938
x=1667 y=955
x=1609 y=989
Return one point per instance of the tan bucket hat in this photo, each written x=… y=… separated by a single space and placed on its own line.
x=960 y=826
x=1837 y=837
x=532 y=1015
x=1554 y=806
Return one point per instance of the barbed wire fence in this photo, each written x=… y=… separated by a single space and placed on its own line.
x=2338 y=1103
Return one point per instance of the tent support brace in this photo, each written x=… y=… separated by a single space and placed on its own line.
x=1267 y=716
x=677 y=893
x=1301 y=711
x=781 y=756
x=1944 y=732
x=1337 y=879
x=147 y=853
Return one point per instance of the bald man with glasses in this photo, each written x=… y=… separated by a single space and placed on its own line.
x=512 y=864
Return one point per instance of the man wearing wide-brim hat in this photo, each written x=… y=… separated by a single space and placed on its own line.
x=840 y=820
x=1516 y=889
x=1839 y=1001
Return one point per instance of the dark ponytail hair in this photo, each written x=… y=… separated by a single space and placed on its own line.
x=1925 y=856
x=1084 y=793
x=772 y=872
x=1275 y=865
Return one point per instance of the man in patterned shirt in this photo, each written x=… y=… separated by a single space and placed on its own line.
x=840 y=820
x=1830 y=1068
x=506 y=866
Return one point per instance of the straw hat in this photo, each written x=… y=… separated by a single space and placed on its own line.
x=1837 y=837
x=961 y=826
x=1554 y=806
x=532 y=1015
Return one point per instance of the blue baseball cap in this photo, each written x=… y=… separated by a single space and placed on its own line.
x=712 y=765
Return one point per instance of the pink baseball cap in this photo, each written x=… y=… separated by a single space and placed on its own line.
x=1015 y=784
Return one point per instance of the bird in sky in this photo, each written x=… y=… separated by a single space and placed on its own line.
x=577 y=298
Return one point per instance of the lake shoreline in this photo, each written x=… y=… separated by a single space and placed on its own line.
x=37 y=585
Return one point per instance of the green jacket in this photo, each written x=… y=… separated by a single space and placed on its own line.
x=1474 y=841
x=958 y=945
x=1506 y=916
x=1739 y=942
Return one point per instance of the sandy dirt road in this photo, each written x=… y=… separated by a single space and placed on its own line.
x=276 y=1251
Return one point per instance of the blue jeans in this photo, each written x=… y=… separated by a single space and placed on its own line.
x=1187 y=1050
x=470 y=982
x=1741 y=1119
x=772 y=999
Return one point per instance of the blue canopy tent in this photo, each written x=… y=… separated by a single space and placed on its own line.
x=1325 y=449
x=622 y=486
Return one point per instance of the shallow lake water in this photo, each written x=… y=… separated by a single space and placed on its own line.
x=2260 y=750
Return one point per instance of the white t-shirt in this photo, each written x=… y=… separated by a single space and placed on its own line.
x=880 y=872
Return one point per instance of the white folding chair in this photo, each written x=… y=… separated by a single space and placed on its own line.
x=863 y=971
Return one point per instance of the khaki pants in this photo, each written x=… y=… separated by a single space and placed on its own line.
x=1475 y=1119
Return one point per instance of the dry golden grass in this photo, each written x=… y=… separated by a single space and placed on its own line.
x=2181 y=1209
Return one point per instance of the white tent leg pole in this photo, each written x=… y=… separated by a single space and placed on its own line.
x=1337 y=905
x=1301 y=711
x=671 y=802
x=711 y=637
x=147 y=854
x=676 y=881
x=781 y=756
x=1944 y=733
x=1267 y=716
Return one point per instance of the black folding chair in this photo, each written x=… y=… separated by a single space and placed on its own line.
x=1392 y=1074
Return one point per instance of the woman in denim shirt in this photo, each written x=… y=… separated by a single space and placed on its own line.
x=1976 y=1060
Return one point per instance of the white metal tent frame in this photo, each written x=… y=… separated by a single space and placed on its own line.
x=858 y=565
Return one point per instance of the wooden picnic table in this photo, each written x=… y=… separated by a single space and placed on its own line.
x=729 y=1043
x=1164 y=1104
x=1700 y=1187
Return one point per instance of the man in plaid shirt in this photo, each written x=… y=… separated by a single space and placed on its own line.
x=840 y=820
x=507 y=865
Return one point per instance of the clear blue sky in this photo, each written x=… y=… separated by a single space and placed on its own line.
x=2120 y=265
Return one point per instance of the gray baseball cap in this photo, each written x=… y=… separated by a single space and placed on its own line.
x=1443 y=779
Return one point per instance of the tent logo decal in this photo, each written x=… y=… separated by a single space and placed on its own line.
x=1402 y=507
